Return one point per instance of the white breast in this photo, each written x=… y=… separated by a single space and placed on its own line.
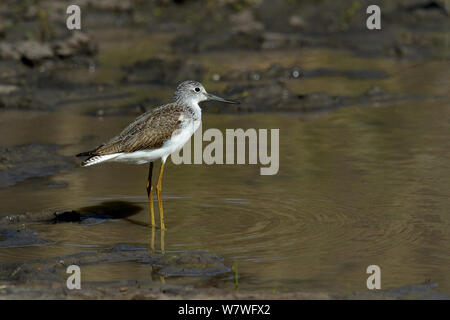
x=179 y=137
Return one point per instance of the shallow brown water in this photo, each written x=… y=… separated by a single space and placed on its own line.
x=356 y=187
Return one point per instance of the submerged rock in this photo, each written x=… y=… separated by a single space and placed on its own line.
x=43 y=216
x=17 y=238
x=18 y=163
x=187 y=263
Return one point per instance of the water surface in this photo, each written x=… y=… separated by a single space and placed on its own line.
x=357 y=186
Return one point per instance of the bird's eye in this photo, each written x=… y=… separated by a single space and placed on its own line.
x=197 y=89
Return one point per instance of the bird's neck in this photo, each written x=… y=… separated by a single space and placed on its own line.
x=195 y=109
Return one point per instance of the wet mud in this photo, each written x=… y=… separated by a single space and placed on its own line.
x=17 y=238
x=45 y=68
x=36 y=70
x=18 y=163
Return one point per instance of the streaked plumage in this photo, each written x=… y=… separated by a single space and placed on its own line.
x=156 y=129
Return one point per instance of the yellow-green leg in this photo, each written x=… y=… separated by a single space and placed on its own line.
x=152 y=241
x=163 y=250
x=158 y=193
x=150 y=194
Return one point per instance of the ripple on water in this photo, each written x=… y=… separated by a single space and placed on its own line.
x=259 y=225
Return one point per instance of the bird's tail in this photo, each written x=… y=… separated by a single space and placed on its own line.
x=94 y=158
x=90 y=160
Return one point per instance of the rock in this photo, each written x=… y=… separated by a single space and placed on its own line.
x=318 y=101
x=18 y=163
x=244 y=21
x=78 y=44
x=7 y=89
x=297 y=22
x=33 y=52
x=262 y=97
x=8 y=51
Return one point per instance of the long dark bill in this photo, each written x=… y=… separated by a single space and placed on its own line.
x=216 y=98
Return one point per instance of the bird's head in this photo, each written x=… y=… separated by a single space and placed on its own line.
x=193 y=92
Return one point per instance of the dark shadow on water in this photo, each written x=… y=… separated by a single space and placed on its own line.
x=99 y=213
x=110 y=210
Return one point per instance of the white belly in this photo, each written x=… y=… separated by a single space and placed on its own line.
x=175 y=143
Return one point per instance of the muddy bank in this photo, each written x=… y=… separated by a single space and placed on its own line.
x=140 y=290
x=268 y=25
x=171 y=72
x=143 y=290
x=278 y=72
x=409 y=30
x=259 y=90
x=277 y=97
x=18 y=163
x=51 y=87
x=38 y=53
x=48 y=275
x=187 y=263
x=273 y=96
x=45 y=278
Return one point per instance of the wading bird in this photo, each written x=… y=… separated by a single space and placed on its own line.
x=155 y=135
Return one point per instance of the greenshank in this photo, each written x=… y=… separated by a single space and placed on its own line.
x=155 y=135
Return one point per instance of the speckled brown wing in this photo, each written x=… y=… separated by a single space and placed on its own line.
x=148 y=131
